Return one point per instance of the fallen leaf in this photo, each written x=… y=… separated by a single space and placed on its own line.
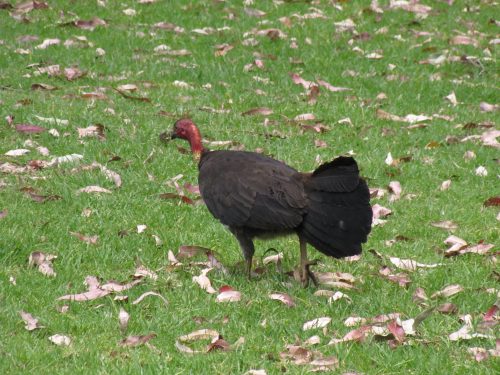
x=92 y=131
x=28 y=128
x=447 y=225
x=284 y=298
x=228 y=295
x=420 y=296
x=30 y=320
x=395 y=190
x=60 y=340
x=481 y=171
x=147 y=294
x=94 y=189
x=91 y=240
x=448 y=291
x=411 y=265
x=123 y=318
x=492 y=202
x=204 y=282
x=43 y=261
x=331 y=88
x=447 y=308
x=17 y=152
x=258 y=111
x=132 y=341
x=316 y=323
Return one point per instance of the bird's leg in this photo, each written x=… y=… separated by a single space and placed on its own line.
x=247 y=249
x=305 y=272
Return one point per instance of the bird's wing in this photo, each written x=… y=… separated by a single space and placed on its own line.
x=248 y=190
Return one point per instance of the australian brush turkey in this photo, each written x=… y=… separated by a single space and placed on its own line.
x=257 y=196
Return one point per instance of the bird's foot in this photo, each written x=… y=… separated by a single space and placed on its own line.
x=304 y=274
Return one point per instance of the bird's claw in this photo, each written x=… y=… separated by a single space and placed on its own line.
x=305 y=274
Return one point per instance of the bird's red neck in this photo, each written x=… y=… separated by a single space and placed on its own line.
x=194 y=139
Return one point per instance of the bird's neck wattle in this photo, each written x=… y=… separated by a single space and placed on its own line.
x=196 y=146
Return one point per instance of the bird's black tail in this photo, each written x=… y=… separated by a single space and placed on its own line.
x=339 y=214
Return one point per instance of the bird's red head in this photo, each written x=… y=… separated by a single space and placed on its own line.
x=186 y=129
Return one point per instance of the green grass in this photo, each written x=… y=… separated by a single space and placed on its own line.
x=132 y=134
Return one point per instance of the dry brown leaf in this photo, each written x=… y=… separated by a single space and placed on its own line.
x=92 y=131
x=464 y=40
x=94 y=189
x=60 y=340
x=316 y=323
x=204 y=282
x=227 y=294
x=43 y=261
x=284 y=298
x=132 y=341
x=147 y=294
x=331 y=88
x=448 y=291
x=142 y=271
x=411 y=265
x=258 y=111
x=395 y=190
x=123 y=318
x=91 y=240
x=446 y=224
x=30 y=320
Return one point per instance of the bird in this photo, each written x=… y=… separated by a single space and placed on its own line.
x=256 y=196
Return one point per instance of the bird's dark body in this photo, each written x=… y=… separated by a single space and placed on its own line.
x=257 y=196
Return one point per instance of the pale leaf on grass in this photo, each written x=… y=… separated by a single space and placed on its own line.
x=255 y=372
x=60 y=340
x=43 y=261
x=127 y=87
x=489 y=138
x=72 y=158
x=337 y=296
x=17 y=152
x=452 y=98
x=305 y=117
x=91 y=240
x=204 y=282
x=228 y=295
x=411 y=265
x=132 y=341
x=53 y=120
x=325 y=364
x=91 y=131
x=487 y=107
x=446 y=224
x=419 y=296
x=141 y=228
x=358 y=335
x=85 y=296
x=111 y=175
x=284 y=298
x=313 y=340
x=445 y=185
x=123 y=318
x=12 y=168
x=142 y=271
x=30 y=320
x=316 y=323
x=395 y=190
x=93 y=189
x=448 y=291
x=481 y=171
x=258 y=111
x=330 y=87
x=378 y=213
x=273 y=258
x=354 y=321
x=200 y=334
x=147 y=294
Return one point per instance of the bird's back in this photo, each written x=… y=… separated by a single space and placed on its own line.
x=250 y=190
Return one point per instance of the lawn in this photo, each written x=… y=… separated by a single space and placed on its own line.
x=86 y=87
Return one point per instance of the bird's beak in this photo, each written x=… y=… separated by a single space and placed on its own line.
x=167 y=136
